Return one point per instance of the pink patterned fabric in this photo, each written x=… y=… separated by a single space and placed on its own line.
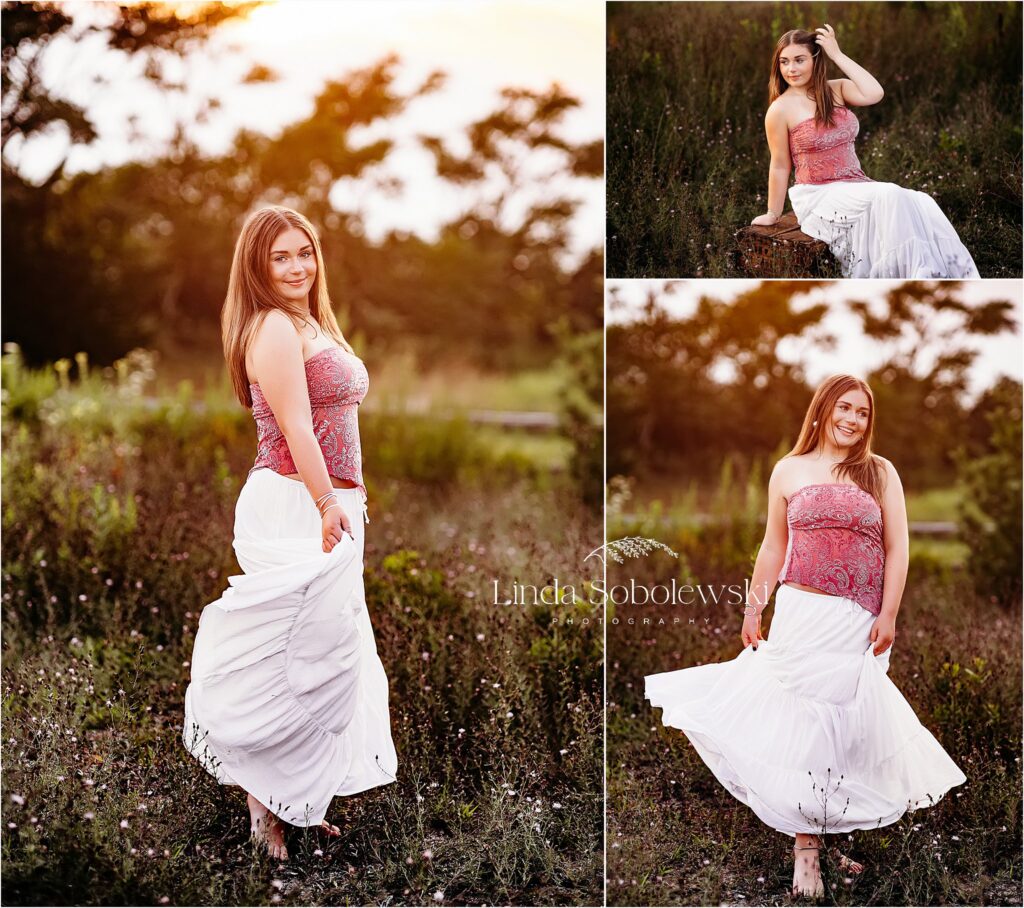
x=835 y=543
x=821 y=154
x=337 y=382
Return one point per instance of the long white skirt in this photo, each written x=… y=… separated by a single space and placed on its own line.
x=882 y=230
x=289 y=698
x=808 y=730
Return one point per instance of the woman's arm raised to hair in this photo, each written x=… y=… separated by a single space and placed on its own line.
x=861 y=88
x=277 y=358
x=778 y=171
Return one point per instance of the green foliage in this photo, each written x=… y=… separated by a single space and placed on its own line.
x=145 y=247
x=687 y=92
x=676 y=837
x=992 y=506
x=686 y=392
x=117 y=528
x=582 y=406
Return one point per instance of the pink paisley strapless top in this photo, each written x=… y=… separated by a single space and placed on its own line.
x=835 y=543
x=823 y=154
x=337 y=381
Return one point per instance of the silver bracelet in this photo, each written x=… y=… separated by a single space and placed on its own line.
x=325 y=510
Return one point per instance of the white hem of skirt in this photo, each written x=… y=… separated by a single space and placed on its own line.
x=808 y=730
x=882 y=230
x=288 y=697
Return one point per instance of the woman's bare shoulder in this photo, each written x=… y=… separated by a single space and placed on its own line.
x=275 y=337
x=779 y=108
x=275 y=329
x=785 y=470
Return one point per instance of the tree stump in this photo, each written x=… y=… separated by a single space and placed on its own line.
x=782 y=250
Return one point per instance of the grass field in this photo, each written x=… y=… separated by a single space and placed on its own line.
x=676 y=837
x=687 y=92
x=117 y=528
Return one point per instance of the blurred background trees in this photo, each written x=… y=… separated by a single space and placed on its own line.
x=138 y=254
x=700 y=406
x=685 y=393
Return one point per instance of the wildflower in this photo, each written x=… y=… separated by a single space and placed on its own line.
x=427 y=855
x=557 y=806
x=439 y=896
x=18 y=799
x=509 y=714
x=88 y=815
x=277 y=884
x=124 y=824
x=480 y=637
x=318 y=853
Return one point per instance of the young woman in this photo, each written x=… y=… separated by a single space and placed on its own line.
x=806 y=728
x=288 y=698
x=873 y=229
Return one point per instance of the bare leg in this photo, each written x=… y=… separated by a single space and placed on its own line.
x=267 y=830
x=806 y=869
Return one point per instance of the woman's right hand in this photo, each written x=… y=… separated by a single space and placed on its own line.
x=751 y=632
x=333 y=523
x=765 y=220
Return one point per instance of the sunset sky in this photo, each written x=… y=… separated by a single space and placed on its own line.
x=854 y=352
x=483 y=46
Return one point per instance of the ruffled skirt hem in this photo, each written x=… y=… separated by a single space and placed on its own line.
x=808 y=730
x=881 y=230
x=288 y=697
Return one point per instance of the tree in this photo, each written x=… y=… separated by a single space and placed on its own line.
x=991 y=509
x=684 y=392
x=155 y=31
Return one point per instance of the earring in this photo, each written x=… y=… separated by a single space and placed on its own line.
x=814 y=423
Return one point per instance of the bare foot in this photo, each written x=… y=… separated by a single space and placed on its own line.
x=267 y=830
x=807 y=872
x=849 y=865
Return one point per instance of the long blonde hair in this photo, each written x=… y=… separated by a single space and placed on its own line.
x=863 y=467
x=251 y=296
x=819 y=90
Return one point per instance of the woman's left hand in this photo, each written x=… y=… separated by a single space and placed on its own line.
x=883 y=632
x=826 y=40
